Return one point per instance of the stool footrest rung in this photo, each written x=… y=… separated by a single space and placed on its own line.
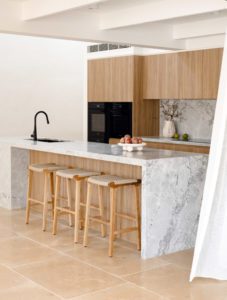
x=36 y=201
x=99 y=220
x=125 y=230
x=124 y=216
x=65 y=209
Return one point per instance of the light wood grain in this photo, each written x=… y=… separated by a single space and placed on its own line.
x=160 y=74
x=212 y=59
x=111 y=79
x=123 y=170
x=191 y=75
x=145 y=118
x=179 y=147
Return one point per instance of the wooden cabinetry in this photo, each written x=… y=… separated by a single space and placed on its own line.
x=190 y=66
x=182 y=75
x=160 y=74
x=111 y=79
x=212 y=59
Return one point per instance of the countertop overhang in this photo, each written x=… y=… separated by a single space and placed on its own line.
x=113 y=153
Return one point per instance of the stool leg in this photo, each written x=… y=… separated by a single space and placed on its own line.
x=55 y=205
x=138 y=216
x=69 y=200
x=101 y=210
x=28 y=206
x=87 y=213
x=77 y=211
x=52 y=192
x=112 y=219
x=45 y=201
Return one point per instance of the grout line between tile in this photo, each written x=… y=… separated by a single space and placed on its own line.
x=35 y=283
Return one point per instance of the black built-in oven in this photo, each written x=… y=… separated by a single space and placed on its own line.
x=108 y=120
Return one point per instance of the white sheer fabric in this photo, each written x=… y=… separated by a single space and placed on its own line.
x=210 y=257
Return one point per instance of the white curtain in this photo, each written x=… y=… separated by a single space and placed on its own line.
x=210 y=257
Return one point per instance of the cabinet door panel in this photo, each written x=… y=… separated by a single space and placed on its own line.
x=110 y=80
x=161 y=76
x=212 y=60
x=190 y=75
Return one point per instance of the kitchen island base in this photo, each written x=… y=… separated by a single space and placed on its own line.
x=171 y=191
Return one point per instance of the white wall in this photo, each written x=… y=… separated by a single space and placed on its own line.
x=42 y=74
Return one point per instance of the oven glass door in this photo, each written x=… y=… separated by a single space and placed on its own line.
x=98 y=123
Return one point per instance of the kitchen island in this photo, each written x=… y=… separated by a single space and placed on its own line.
x=171 y=192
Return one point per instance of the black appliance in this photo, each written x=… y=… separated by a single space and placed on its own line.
x=108 y=120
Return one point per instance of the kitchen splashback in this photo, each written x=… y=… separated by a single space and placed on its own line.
x=196 y=117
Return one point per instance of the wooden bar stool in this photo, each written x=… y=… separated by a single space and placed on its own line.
x=76 y=175
x=113 y=183
x=48 y=171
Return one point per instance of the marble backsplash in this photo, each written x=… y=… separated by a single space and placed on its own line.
x=196 y=117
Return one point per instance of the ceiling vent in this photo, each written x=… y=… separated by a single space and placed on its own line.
x=105 y=47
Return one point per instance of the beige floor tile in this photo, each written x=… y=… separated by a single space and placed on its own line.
x=67 y=277
x=172 y=281
x=6 y=233
x=123 y=292
x=168 y=281
x=9 y=279
x=63 y=241
x=19 y=251
x=27 y=292
x=182 y=258
x=122 y=263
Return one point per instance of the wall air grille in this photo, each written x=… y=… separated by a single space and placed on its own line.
x=105 y=47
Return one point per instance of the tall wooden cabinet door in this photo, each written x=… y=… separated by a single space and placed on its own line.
x=151 y=77
x=212 y=60
x=99 y=80
x=122 y=79
x=191 y=75
x=168 y=81
x=160 y=77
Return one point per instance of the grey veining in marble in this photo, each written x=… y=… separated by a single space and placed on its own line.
x=172 y=186
x=112 y=153
x=172 y=194
x=196 y=117
x=19 y=164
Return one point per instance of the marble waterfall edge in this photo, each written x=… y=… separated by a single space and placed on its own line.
x=172 y=192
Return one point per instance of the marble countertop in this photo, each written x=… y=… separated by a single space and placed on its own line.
x=193 y=142
x=112 y=153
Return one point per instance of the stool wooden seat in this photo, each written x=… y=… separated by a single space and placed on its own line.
x=77 y=175
x=48 y=171
x=113 y=183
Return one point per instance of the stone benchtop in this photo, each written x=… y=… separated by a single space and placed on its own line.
x=112 y=153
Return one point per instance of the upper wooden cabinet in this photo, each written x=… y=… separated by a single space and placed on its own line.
x=212 y=60
x=182 y=75
x=190 y=82
x=111 y=79
x=160 y=76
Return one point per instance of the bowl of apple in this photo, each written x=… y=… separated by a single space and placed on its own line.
x=129 y=143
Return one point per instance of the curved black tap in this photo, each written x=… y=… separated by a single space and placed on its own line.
x=34 y=135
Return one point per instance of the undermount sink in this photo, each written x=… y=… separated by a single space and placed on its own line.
x=47 y=140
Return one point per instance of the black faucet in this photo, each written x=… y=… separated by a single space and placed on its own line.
x=34 y=134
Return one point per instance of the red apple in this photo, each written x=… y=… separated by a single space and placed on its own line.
x=128 y=140
x=140 y=140
x=134 y=140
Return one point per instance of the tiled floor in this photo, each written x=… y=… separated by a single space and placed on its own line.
x=39 y=266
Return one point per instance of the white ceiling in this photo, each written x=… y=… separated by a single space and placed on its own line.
x=170 y=24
